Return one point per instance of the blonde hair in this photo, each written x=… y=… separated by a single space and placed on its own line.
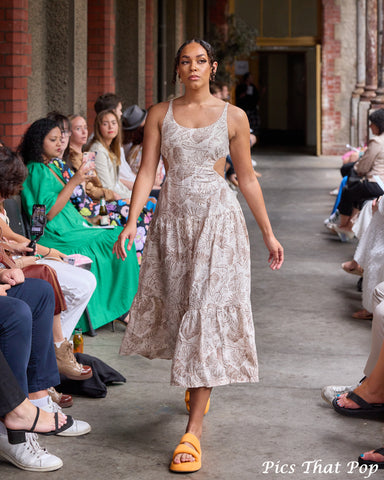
x=115 y=148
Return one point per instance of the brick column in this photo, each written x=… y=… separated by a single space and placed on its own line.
x=15 y=68
x=331 y=84
x=101 y=43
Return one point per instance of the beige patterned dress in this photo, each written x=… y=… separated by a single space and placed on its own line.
x=193 y=301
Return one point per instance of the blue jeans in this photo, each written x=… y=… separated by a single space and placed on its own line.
x=26 y=338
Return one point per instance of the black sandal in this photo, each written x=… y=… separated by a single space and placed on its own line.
x=366 y=410
x=18 y=436
x=380 y=465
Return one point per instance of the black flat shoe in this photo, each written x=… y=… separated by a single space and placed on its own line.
x=18 y=436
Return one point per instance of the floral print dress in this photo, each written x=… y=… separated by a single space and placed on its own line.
x=117 y=210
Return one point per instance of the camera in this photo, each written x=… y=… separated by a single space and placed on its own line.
x=38 y=222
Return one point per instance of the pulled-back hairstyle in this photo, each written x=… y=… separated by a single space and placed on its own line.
x=31 y=146
x=377 y=118
x=207 y=47
x=115 y=146
x=60 y=119
x=13 y=172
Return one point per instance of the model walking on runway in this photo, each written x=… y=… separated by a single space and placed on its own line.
x=193 y=301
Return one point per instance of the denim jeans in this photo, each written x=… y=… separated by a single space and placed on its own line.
x=26 y=338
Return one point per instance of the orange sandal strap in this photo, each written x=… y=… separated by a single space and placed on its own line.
x=187 y=467
x=193 y=440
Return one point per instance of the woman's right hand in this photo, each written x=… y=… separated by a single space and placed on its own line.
x=129 y=233
x=82 y=173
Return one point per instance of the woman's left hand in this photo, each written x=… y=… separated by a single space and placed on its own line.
x=276 y=252
x=56 y=255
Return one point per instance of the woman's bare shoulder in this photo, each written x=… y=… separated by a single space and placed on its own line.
x=237 y=121
x=236 y=114
x=158 y=111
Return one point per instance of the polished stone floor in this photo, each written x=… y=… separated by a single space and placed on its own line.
x=305 y=337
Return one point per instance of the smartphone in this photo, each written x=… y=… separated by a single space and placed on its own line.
x=89 y=159
x=38 y=220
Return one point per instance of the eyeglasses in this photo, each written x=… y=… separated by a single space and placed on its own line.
x=65 y=133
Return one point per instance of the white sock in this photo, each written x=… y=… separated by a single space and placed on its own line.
x=40 y=402
x=3 y=430
x=58 y=344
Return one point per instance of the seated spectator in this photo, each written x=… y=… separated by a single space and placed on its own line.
x=216 y=90
x=367 y=399
x=67 y=230
x=86 y=196
x=77 y=285
x=26 y=341
x=106 y=142
x=331 y=392
x=133 y=121
x=362 y=184
x=110 y=101
x=93 y=186
x=369 y=258
x=20 y=418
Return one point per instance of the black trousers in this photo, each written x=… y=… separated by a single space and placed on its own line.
x=354 y=195
x=11 y=394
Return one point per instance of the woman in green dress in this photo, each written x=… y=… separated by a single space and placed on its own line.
x=68 y=231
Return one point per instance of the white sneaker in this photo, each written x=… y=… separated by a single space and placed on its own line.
x=330 y=392
x=29 y=455
x=78 y=428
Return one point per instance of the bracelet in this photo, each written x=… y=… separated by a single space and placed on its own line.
x=49 y=251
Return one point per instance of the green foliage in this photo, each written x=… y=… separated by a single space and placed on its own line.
x=233 y=39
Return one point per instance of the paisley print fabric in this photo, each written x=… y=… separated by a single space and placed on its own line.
x=193 y=301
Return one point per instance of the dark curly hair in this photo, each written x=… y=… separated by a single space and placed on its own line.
x=31 y=146
x=13 y=172
x=207 y=47
x=377 y=118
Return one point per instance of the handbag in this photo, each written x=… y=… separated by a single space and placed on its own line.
x=5 y=258
x=47 y=273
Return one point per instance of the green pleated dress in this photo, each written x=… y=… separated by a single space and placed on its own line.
x=69 y=232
